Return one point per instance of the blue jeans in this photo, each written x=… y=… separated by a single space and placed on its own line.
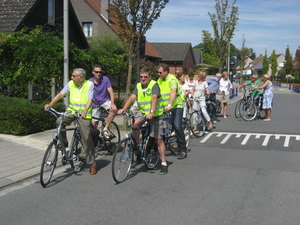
x=177 y=115
x=213 y=112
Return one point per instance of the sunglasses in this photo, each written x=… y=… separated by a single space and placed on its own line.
x=98 y=71
x=143 y=76
x=75 y=76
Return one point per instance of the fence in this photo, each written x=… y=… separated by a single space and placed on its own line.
x=294 y=87
x=276 y=83
x=233 y=92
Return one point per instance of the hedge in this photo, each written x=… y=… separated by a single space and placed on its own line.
x=21 y=117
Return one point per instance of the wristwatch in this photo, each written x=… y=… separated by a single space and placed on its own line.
x=85 y=112
x=169 y=105
x=151 y=110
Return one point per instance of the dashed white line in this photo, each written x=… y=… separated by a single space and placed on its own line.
x=225 y=139
x=248 y=135
x=266 y=141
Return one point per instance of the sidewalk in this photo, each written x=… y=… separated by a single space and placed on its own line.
x=21 y=156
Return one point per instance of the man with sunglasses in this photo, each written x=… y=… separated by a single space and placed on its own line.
x=80 y=93
x=147 y=93
x=103 y=96
x=172 y=99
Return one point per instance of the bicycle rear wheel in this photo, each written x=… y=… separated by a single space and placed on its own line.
x=197 y=124
x=48 y=164
x=248 y=111
x=79 y=157
x=152 y=154
x=114 y=137
x=237 y=109
x=122 y=161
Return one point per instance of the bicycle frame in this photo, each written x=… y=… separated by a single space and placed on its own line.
x=58 y=138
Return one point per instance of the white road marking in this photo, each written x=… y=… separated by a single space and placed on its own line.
x=226 y=139
x=266 y=140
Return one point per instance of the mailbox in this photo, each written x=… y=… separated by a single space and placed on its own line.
x=33 y=92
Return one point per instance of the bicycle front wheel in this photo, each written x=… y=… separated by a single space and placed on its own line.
x=79 y=157
x=237 y=109
x=187 y=131
x=114 y=137
x=197 y=124
x=122 y=161
x=48 y=164
x=248 y=111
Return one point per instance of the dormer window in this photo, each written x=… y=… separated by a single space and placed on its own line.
x=51 y=12
x=88 y=29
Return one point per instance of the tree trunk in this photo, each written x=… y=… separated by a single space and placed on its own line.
x=130 y=64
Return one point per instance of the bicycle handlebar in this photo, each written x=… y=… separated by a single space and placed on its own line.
x=56 y=114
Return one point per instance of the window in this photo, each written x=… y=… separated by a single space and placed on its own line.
x=51 y=12
x=88 y=29
x=281 y=64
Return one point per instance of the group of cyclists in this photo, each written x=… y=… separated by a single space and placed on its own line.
x=170 y=93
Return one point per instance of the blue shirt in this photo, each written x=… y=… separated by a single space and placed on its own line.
x=213 y=84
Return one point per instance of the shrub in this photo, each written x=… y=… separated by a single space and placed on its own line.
x=20 y=117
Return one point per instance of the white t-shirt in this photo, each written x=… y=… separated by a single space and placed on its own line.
x=224 y=85
x=200 y=90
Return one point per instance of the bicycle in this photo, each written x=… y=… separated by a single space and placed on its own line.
x=252 y=108
x=114 y=133
x=75 y=155
x=170 y=137
x=198 y=120
x=238 y=104
x=146 y=151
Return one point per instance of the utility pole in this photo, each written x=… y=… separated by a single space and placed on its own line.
x=66 y=45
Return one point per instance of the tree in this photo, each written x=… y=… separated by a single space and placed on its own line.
x=288 y=66
x=297 y=57
x=134 y=18
x=242 y=57
x=265 y=67
x=274 y=64
x=223 y=22
x=110 y=53
x=35 y=56
x=209 y=51
x=252 y=54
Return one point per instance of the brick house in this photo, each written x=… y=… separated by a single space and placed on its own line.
x=176 y=55
x=95 y=21
x=16 y=15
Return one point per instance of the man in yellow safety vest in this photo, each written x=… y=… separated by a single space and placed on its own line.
x=173 y=100
x=147 y=95
x=80 y=92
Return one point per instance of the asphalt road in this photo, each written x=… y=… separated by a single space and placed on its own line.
x=229 y=181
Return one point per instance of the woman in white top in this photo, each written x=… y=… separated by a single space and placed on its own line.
x=199 y=92
x=191 y=83
x=184 y=88
x=224 y=86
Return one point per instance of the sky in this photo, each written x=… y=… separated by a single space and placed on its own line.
x=266 y=25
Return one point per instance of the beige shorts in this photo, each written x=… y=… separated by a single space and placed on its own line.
x=96 y=111
x=223 y=98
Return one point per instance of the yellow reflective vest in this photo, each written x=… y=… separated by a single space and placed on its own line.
x=165 y=90
x=144 y=99
x=79 y=97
